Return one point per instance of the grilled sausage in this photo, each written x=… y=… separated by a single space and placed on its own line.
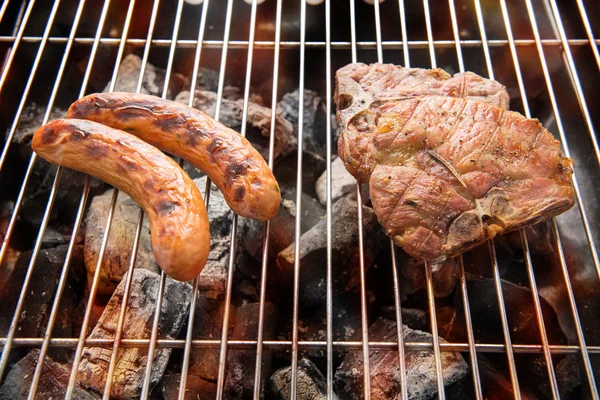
x=229 y=160
x=173 y=204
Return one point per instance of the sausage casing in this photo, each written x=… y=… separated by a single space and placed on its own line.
x=229 y=160
x=177 y=215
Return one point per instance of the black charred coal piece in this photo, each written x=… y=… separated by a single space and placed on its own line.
x=241 y=363
x=52 y=384
x=282 y=226
x=310 y=382
x=345 y=252
x=131 y=362
x=385 y=367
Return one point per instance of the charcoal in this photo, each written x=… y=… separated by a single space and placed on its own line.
x=117 y=255
x=258 y=121
x=207 y=79
x=213 y=278
x=385 y=367
x=52 y=384
x=41 y=291
x=282 y=228
x=131 y=362
x=497 y=385
x=522 y=322
x=310 y=382
x=342 y=184
x=314 y=133
x=241 y=363
x=154 y=78
x=313 y=165
x=445 y=276
x=414 y=318
x=196 y=388
x=345 y=252
x=208 y=324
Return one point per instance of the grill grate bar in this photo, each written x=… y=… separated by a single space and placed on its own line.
x=363 y=299
x=297 y=226
x=428 y=278
x=291 y=44
x=163 y=276
x=588 y=31
x=329 y=294
x=306 y=344
x=397 y=302
x=192 y=313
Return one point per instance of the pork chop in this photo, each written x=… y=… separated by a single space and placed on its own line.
x=450 y=173
x=361 y=89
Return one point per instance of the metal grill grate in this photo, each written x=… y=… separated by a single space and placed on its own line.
x=499 y=40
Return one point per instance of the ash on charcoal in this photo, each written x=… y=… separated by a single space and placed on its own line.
x=342 y=184
x=345 y=252
x=208 y=324
x=196 y=388
x=314 y=133
x=258 y=121
x=42 y=176
x=311 y=383
x=313 y=165
x=154 y=78
x=282 y=228
x=131 y=362
x=41 y=291
x=207 y=79
x=241 y=363
x=385 y=367
x=52 y=384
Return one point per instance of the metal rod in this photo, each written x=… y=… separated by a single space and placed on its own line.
x=588 y=31
x=585 y=351
x=265 y=255
x=291 y=44
x=190 y=328
x=230 y=265
x=297 y=228
x=305 y=344
x=430 y=294
x=328 y=216
x=505 y=328
x=363 y=299
x=163 y=277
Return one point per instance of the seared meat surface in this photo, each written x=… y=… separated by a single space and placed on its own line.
x=361 y=89
x=447 y=173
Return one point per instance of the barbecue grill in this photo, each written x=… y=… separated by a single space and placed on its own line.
x=544 y=51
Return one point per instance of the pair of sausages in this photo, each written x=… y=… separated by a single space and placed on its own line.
x=116 y=137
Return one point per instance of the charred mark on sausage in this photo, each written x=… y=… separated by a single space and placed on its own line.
x=49 y=135
x=165 y=207
x=171 y=122
x=239 y=193
x=95 y=150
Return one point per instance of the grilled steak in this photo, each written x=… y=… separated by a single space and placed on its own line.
x=447 y=173
x=361 y=89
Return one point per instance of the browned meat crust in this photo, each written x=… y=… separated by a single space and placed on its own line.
x=230 y=161
x=450 y=173
x=361 y=87
x=173 y=204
